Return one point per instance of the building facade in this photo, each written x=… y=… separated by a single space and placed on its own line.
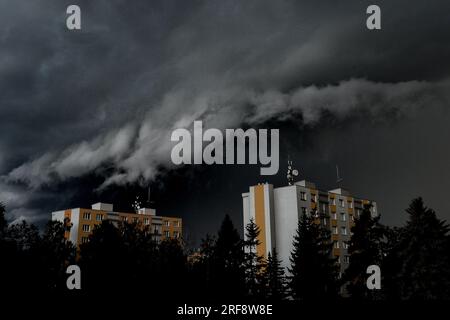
x=277 y=211
x=81 y=221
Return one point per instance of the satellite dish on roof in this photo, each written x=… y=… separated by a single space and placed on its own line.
x=291 y=173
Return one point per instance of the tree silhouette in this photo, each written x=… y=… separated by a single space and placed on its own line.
x=7 y=251
x=24 y=235
x=275 y=277
x=172 y=270
x=227 y=267
x=254 y=263
x=3 y=223
x=365 y=249
x=103 y=260
x=21 y=267
x=127 y=259
x=313 y=271
x=140 y=258
x=200 y=269
x=418 y=264
x=391 y=264
x=55 y=254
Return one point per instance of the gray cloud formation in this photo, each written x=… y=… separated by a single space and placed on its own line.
x=137 y=149
x=75 y=102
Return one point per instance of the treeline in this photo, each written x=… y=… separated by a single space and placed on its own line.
x=414 y=262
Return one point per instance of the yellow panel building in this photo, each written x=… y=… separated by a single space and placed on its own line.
x=82 y=221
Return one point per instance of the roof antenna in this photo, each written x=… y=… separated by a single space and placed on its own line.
x=291 y=172
x=150 y=203
x=137 y=204
x=338 y=178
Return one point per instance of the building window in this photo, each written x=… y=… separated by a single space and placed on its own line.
x=323 y=206
x=167 y=234
x=324 y=221
x=99 y=217
x=177 y=223
x=87 y=216
x=303 y=210
x=86 y=228
x=358 y=212
x=344 y=231
x=84 y=239
x=303 y=196
x=313 y=198
x=335 y=230
x=135 y=220
x=343 y=217
x=176 y=234
x=333 y=201
x=146 y=221
x=167 y=223
x=346 y=259
x=341 y=203
x=334 y=215
x=350 y=205
x=336 y=244
x=345 y=245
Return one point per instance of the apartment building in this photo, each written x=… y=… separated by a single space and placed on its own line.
x=82 y=221
x=277 y=211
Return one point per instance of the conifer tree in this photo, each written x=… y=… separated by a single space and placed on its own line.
x=253 y=262
x=313 y=270
x=200 y=263
x=274 y=273
x=422 y=269
x=227 y=267
x=365 y=249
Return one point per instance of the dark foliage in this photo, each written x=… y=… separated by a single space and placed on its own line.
x=418 y=260
x=313 y=270
x=32 y=261
x=275 y=281
x=365 y=248
x=127 y=259
x=124 y=259
x=253 y=262
x=227 y=272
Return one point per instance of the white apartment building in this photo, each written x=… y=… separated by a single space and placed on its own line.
x=277 y=211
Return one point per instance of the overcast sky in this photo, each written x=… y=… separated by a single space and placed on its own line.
x=87 y=115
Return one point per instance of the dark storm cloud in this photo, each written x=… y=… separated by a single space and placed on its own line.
x=110 y=94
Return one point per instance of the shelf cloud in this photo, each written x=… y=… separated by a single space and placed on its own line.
x=107 y=97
